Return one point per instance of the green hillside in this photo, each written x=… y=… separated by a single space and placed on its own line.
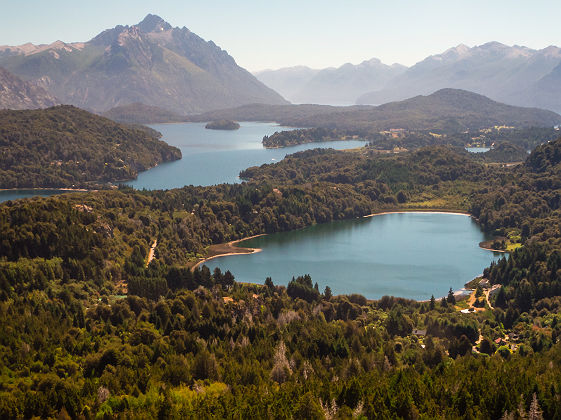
x=65 y=146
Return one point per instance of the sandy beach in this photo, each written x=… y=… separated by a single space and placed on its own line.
x=418 y=211
x=46 y=189
x=228 y=248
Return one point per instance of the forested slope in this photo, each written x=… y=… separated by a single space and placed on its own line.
x=67 y=147
x=197 y=344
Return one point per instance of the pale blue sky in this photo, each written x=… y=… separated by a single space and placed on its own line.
x=271 y=34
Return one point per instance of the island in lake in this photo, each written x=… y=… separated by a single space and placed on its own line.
x=222 y=125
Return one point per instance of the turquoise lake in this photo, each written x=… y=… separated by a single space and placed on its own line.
x=210 y=157
x=213 y=157
x=410 y=255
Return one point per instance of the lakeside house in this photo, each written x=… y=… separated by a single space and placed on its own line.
x=484 y=283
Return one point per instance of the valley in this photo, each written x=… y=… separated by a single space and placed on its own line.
x=178 y=240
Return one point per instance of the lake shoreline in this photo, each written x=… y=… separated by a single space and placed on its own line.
x=228 y=248
x=47 y=189
x=403 y=211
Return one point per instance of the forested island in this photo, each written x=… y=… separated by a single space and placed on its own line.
x=222 y=125
x=115 y=334
x=64 y=146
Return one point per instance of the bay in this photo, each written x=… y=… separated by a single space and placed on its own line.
x=213 y=157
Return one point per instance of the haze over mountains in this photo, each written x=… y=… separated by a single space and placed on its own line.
x=446 y=110
x=332 y=86
x=503 y=73
x=172 y=72
x=514 y=75
x=150 y=63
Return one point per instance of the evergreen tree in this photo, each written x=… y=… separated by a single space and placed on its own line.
x=451 y=299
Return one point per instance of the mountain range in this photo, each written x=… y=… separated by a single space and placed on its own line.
x=449 y=110
x=514 y=75
x=18 y=94
x=150 y=63
x=511 y=75
x=332 y=86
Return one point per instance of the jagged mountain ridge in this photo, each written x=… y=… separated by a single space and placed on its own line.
x=503 y=73
x=18 y=94
x=150 y=63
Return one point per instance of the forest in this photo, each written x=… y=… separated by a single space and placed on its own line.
x=65 y=146
x=90 y=330
x=516 y=140
x=446 y=110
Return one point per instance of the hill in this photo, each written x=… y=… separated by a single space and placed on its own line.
x=65 y=146
x=138 y=113
x=333 y=86
x=498 y=71
x=17 y=94
x=151 y=63
x=449 y=110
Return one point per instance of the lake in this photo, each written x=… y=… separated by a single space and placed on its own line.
x=213 y=157
x=410 y=255
x=6 y=195
x=209 y=156
x=478 y=149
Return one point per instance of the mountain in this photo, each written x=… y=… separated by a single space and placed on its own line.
x=546 y=92
x=138 y=113
x=498 y=71
x=64 y=146
x=333 y=86
x=150 y=63
x=287 y=81
x=450 y=110
x=17 y=94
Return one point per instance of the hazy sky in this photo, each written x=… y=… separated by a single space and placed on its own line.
x=271 y=34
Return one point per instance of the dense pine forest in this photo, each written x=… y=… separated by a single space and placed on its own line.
x=65 y=146
x=92 y=329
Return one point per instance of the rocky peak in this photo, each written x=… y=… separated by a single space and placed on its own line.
x=153 y=23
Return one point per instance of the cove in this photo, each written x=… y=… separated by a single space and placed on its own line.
x=411 y=255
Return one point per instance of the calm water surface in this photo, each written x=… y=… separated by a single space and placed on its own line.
x=217 y=156
x=17 y=194
x=209 y=156
x=478 y=149
x=410 y=255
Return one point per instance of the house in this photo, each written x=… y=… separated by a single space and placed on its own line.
x=485 y=284
x=420 y=333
